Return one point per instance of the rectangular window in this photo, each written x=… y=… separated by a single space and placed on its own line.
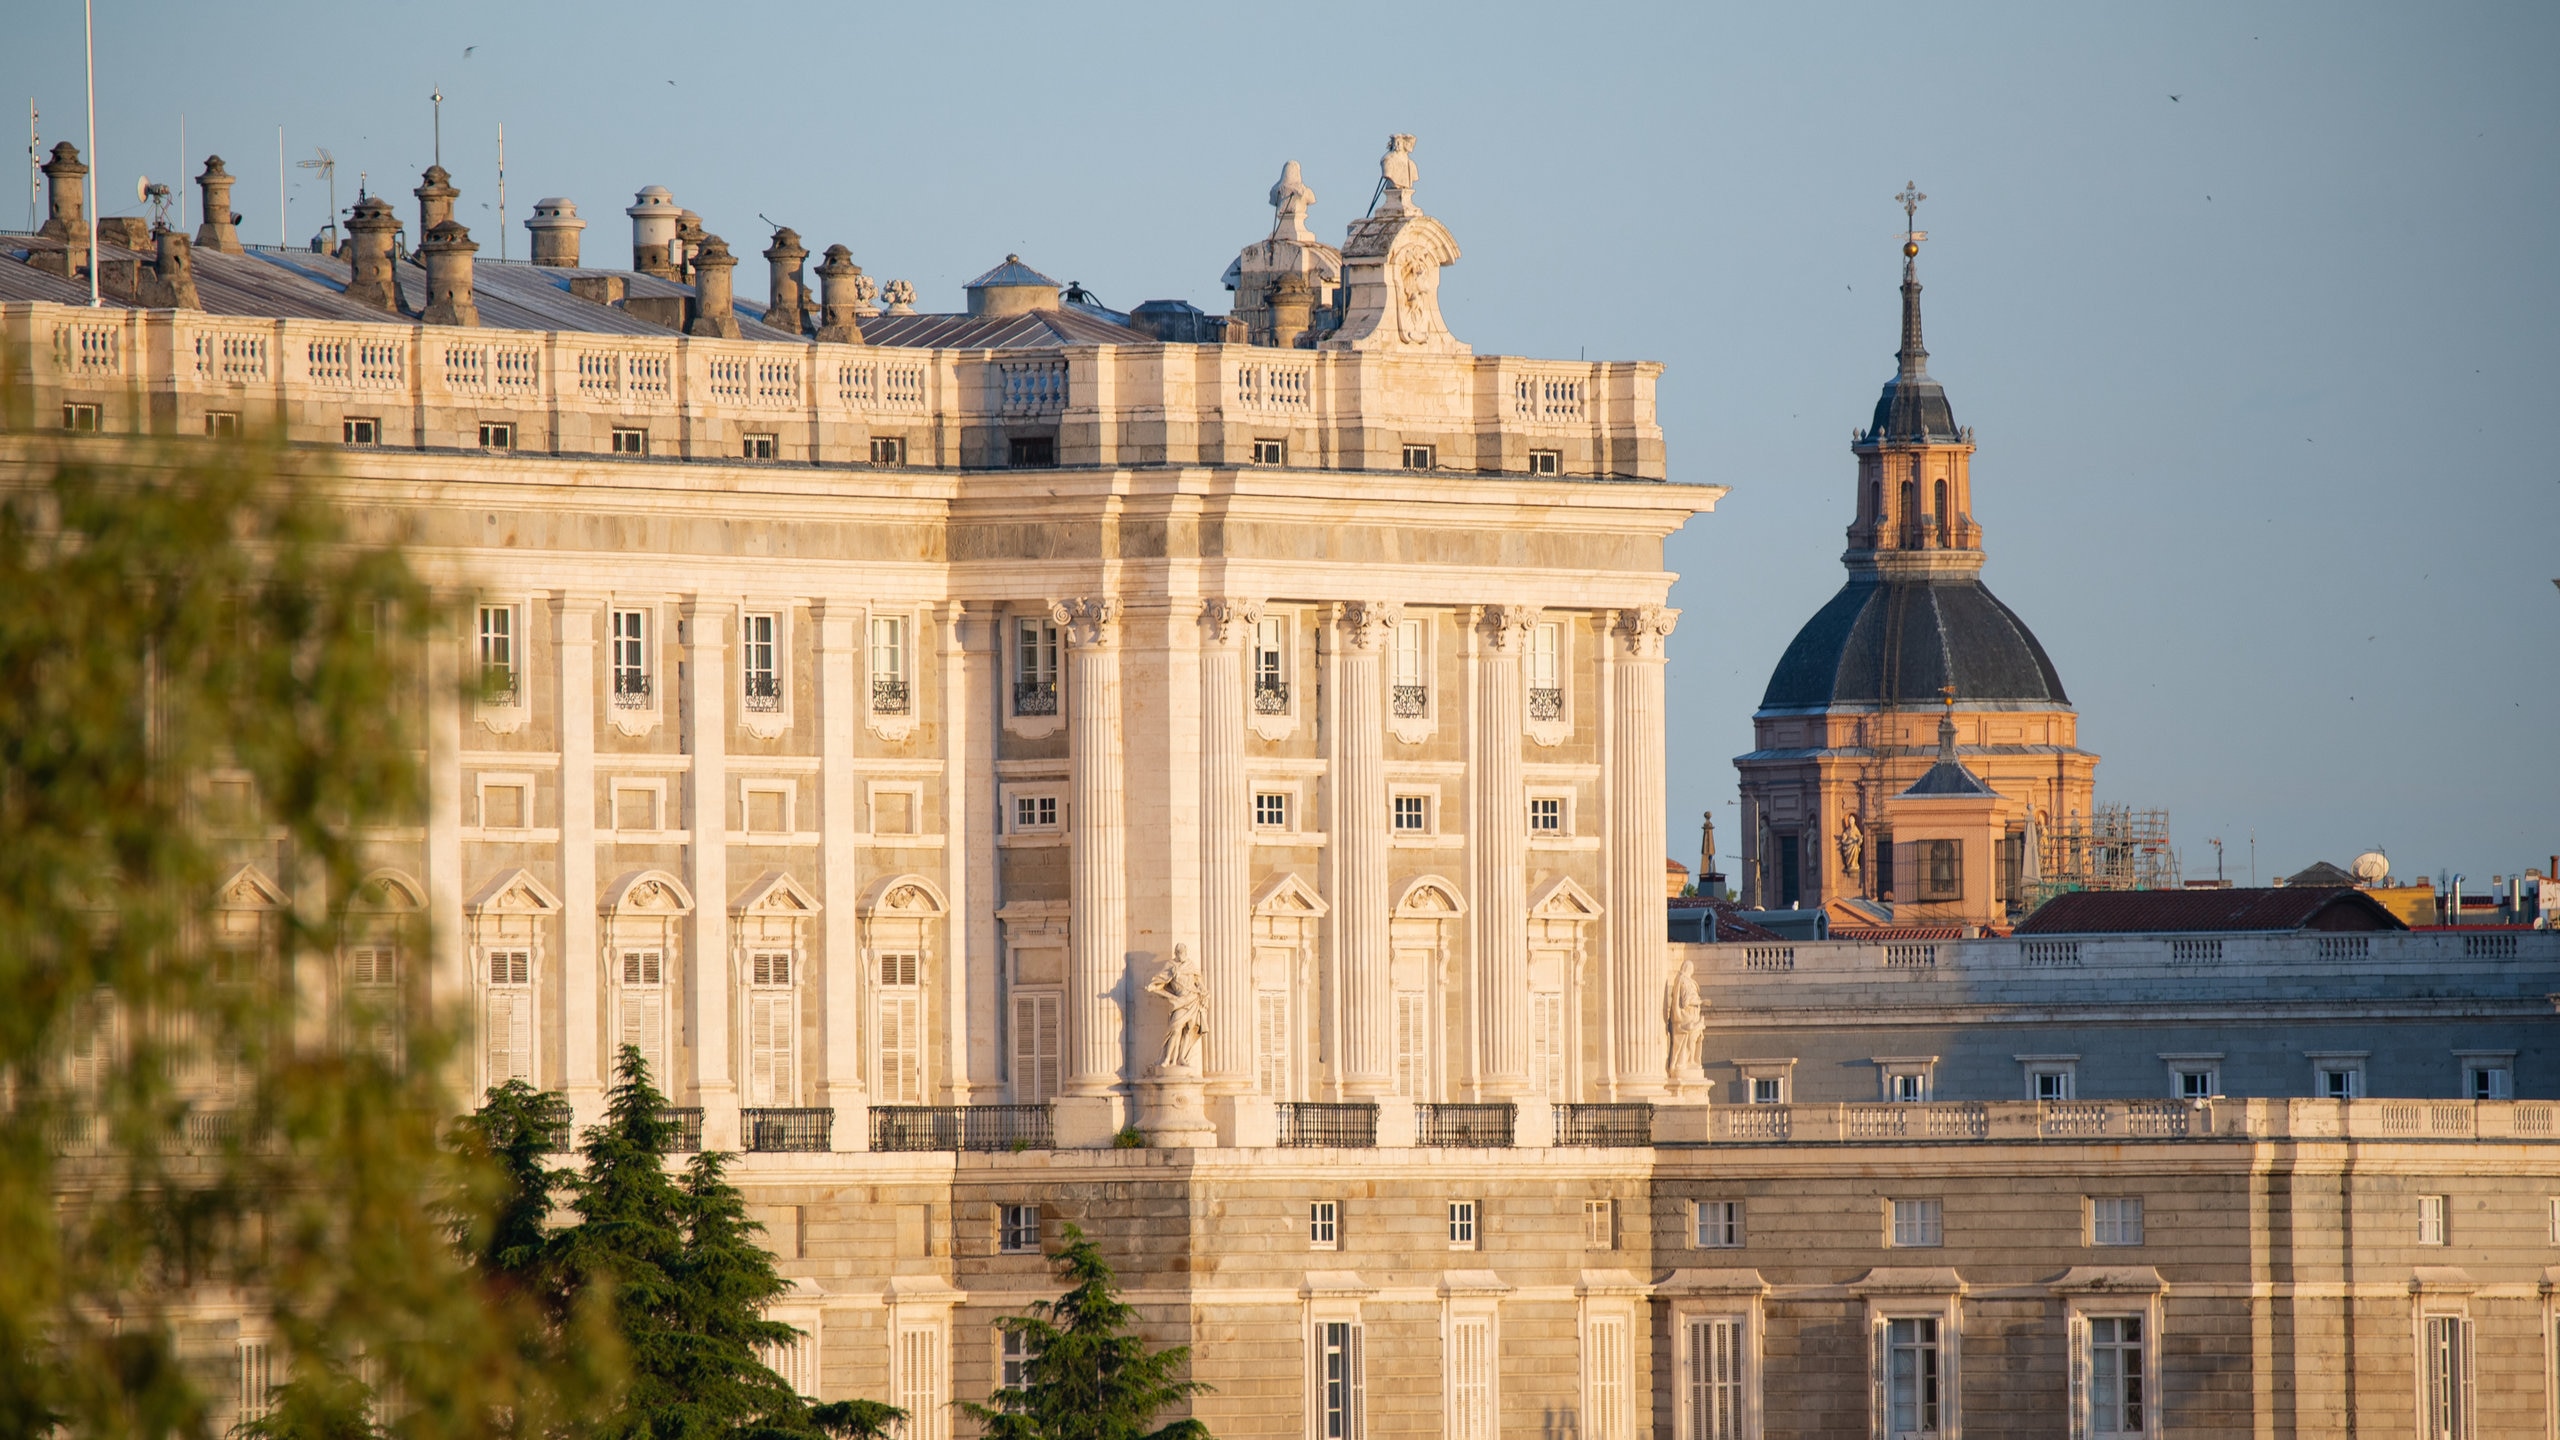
x=1462 y=1225
x=630 y=659
x=1271 y=666
x=773 y=1030
x=1270 y=452
x=2489 y=1082
x=498 y=657
x=1345 y=1400
x=642 y=1005
x=1032 y=452
x=1918 y=1224
x=1715 y=1361
x=2049 y=1082
x=506 y=1032
x=510 y=967
x=1942 y=870
x=497 y=436
x=79 y=417
x=1413 y=1045
x=2197 y=1084
x=1719 y=1224
x=1546 y=462
x=1768 y=1090
x=1911 y=1378
x=1609 y=1368
x=1324 y=1224
x=1271 y=1043
x=1035 y=812
x=254 y=1372
x=888 y=450
x=1013 y=1356
x=2115 y=1375
x=1037 y=1047
x=1600 y=1224
x=2341 y=1082
x=222 y=424
x=1547 y=1057
x=1035 y=668
x=759 y=447
x=2115 y=1220
x=2433 y=1228
x=1471 y=1414
x=919 y=1383
x=760 y=662
x=1412 y=814
x=889 y=664
x=1018 y=1229
x=1271 y=810
x=1907 y=1086
x=362 y=431
x=1546 y=815
x=2448 y=1392
x=1417 y=457
x=1546 y=671
x=631 y=442
x=1411 y=694
x=899 y=1048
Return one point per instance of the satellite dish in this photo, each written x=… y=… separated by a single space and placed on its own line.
x=141 y=188
x=2372 y=867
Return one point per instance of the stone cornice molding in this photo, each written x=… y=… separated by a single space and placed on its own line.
x=1087 y=621
x=1644 y=628
x=1506 y=627
x=1225 y=620
x=1366 y=624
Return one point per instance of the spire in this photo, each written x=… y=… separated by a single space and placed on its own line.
x=1913 y=355
x=1913 y=406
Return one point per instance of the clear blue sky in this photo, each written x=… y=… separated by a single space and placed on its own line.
x=2262 y=375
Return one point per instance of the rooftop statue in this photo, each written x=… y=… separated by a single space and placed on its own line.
x=1290 y=199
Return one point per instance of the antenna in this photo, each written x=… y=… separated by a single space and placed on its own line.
x=284 y=232
x=156 y=196
x=35 y=190
x=502 y=193
x=182 y=169
x=327 y=164
x=438 y=97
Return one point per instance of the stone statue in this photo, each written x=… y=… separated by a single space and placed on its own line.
x=1760 y=860
x=1186 y=998
x=1397 y=176
x=1685 y=1015
x=1289 y=201
x=901 y=296
x=1853 y=845
x=866 y=296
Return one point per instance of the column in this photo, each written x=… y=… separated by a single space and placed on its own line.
x=1226 y=844
x=1636 y=926
x=837 y=965
x=707 y=630
x=1358 y=823
x=1498 y=850
x=972 y=687
x=1097 y=921
x=573 y=636
x=968 y=978
x=449 y=989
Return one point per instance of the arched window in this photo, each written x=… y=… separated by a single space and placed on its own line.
x=1875 y=502
x=1944 y=521
x=1909 y=521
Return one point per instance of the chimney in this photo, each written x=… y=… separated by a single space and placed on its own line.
x=67 y=217
x=787 y=294
x=447 y=252
x=689 y=238
x=221 y=228
x=653 y=233
x=435 y=200
x=555 y=226
x=173 y=286
x=372 y=232
x=712 y=307
x=1289 y=305
x=840 y=282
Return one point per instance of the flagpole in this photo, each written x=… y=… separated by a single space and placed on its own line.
x=89 y=44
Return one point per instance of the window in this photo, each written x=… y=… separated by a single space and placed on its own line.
x=758 y=447
x=2338 y=1075
x=498 y=658
x=1918 y=1224
x=1324 y=1224
x=1411 y=693
x=79 y=417
x=773 y=1026
x=1942 y=870
x=361 y=431
x=1546 y=671
x=1271 y=810
x=630 y=442
x=1606 y=1364
x=2115 y=1375
x=1035 y=812
x=1911 y=1377
x=1462 y=1225
x=642 y=1007
x=795 y=1359
x=1413 y=1045
x=2194 y=1077
x=1013 y=1354
x=918 y=1382
x=898 y=1045
x=254 y=1372
x=1549 y=1079
x=1417 y=457
x=1018 y=1229
x=1715 y=1381
x=1343 y=1400
x=1271 y=1043
x=1271 y=666
x=759 y=662
x=1412 y=814
x=1768 y=1090
x=1719 y=1224
x=630 y=659
x=222 y=424
x=1035 y=668
x=2051 y=1077
x=888 y=450
x=1031 y=452
x=1471 y=1408
x=507 y=1026
x=889 y=664
x=2432 y=1225
x=1037 y=1047
x=2448 y=1393
x=1270 y=452
x=1906 y=1077
x=502 y=807
x=1546 y=462
x=2115 y=1220
x=2489 y=1079
x=1600 y=1224
x=497 y=435
x=1546 y=815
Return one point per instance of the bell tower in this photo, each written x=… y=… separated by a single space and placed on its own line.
x=1915 y=466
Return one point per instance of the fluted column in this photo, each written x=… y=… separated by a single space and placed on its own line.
x=1498 y=846
x=1097 y=889
x=1226 y=842
x=1637 y=940
x=1359 y=827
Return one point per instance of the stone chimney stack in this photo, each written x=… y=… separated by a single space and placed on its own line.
x=1290 y=304
x=173 y=286
x=372 y=232
x=787 y=294
x=221 y=228
x=555 y=226
x=66 y=208
x=447 y=253
x=840 y=282
x=689 y=238
x=713 y=308
x=435 y=200
x=653 y=233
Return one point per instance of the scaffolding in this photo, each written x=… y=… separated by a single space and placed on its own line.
x=2116 y=847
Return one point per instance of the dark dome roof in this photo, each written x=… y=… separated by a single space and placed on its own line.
x=1899 y=640
x=1914 y=408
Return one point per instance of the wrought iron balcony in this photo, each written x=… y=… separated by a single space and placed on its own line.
x=889 y=697
x=688 y=1122
x=1546 y=703
x=1306 y=1124
x=1035 y=697
x=961 y=1127
x=1475 y=1126
x=630 y=690
x=1270 y=697
x=803 y=1129
x=1621 y=1124
x=1411 y=701
x=763 y=690
x=499 y=685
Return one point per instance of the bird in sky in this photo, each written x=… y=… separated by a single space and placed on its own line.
x=467 y=49
x=2173 y=99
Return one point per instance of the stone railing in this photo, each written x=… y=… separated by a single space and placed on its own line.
x=697 y=398
x=2093 y=958
x=2109 y=1120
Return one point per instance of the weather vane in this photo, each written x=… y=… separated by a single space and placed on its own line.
x=1911 y=235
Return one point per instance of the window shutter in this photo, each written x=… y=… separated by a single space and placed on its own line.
x=900 y=1036
x=1036 y=1048
x=1271 y=1042
x=2466 y=1425
x=1413 y=1040
x=769 y=1036
x=1546 y=1045
x=1356 y=1392
x=644 y=1024
x=1470 y=1370
x=510 y=1036
x=2082 y=1422
x=1608 y=1363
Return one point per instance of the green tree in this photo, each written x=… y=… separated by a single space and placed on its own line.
x=1085 y=1376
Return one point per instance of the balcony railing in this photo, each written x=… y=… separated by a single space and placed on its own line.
x=801 y=1129
x=1471 y=1126
x=2131 y=1120
x=688 y=1122
x=499 y=685
x=889 y=697
x=961 y=1127
x=1410 y=701
x=763 y=690
x=1545 y=703
x=1623 y=1124
x=630 y=690
x=1306 y=1124
x=1271 y=697
x=1035 y=697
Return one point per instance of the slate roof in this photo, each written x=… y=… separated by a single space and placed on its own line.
x=1899 y=640
x=1949 y=777
x=1011 y=272
x=1029 y=330
x=1730 y=927
x=2258 y=911
x=2319 y=872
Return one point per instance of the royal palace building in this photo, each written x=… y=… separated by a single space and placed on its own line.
x=1201 y=778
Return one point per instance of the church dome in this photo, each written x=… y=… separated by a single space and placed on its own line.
x=1901 y=639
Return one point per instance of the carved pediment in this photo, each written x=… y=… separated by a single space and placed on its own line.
x=776 y=893
x=647 y=892
x=1561 y=899
x=389 y=890
x=516 y=892
x=1430 y=897
x=908 y=895
x=248 y=888
x=1286 y=894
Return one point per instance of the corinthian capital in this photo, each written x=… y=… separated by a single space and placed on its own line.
x=1506 y=627
x=1087 y=620
x=1644 y=628
x=1365 y=624
x=1225 y=620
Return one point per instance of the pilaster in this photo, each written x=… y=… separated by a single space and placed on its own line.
x=1091 y=1107
x=1226 y=843
x=449 y=989
x=1638 y=943
x=1498 y=853
x=968 y=1006
x=708 y=626
x=573 y=635
x=838 y=967
x=1358 y=822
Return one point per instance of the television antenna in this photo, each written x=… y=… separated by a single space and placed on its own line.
x=156 y=196
x=327 y=164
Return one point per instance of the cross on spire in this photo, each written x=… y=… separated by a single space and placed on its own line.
x=1911 y=234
